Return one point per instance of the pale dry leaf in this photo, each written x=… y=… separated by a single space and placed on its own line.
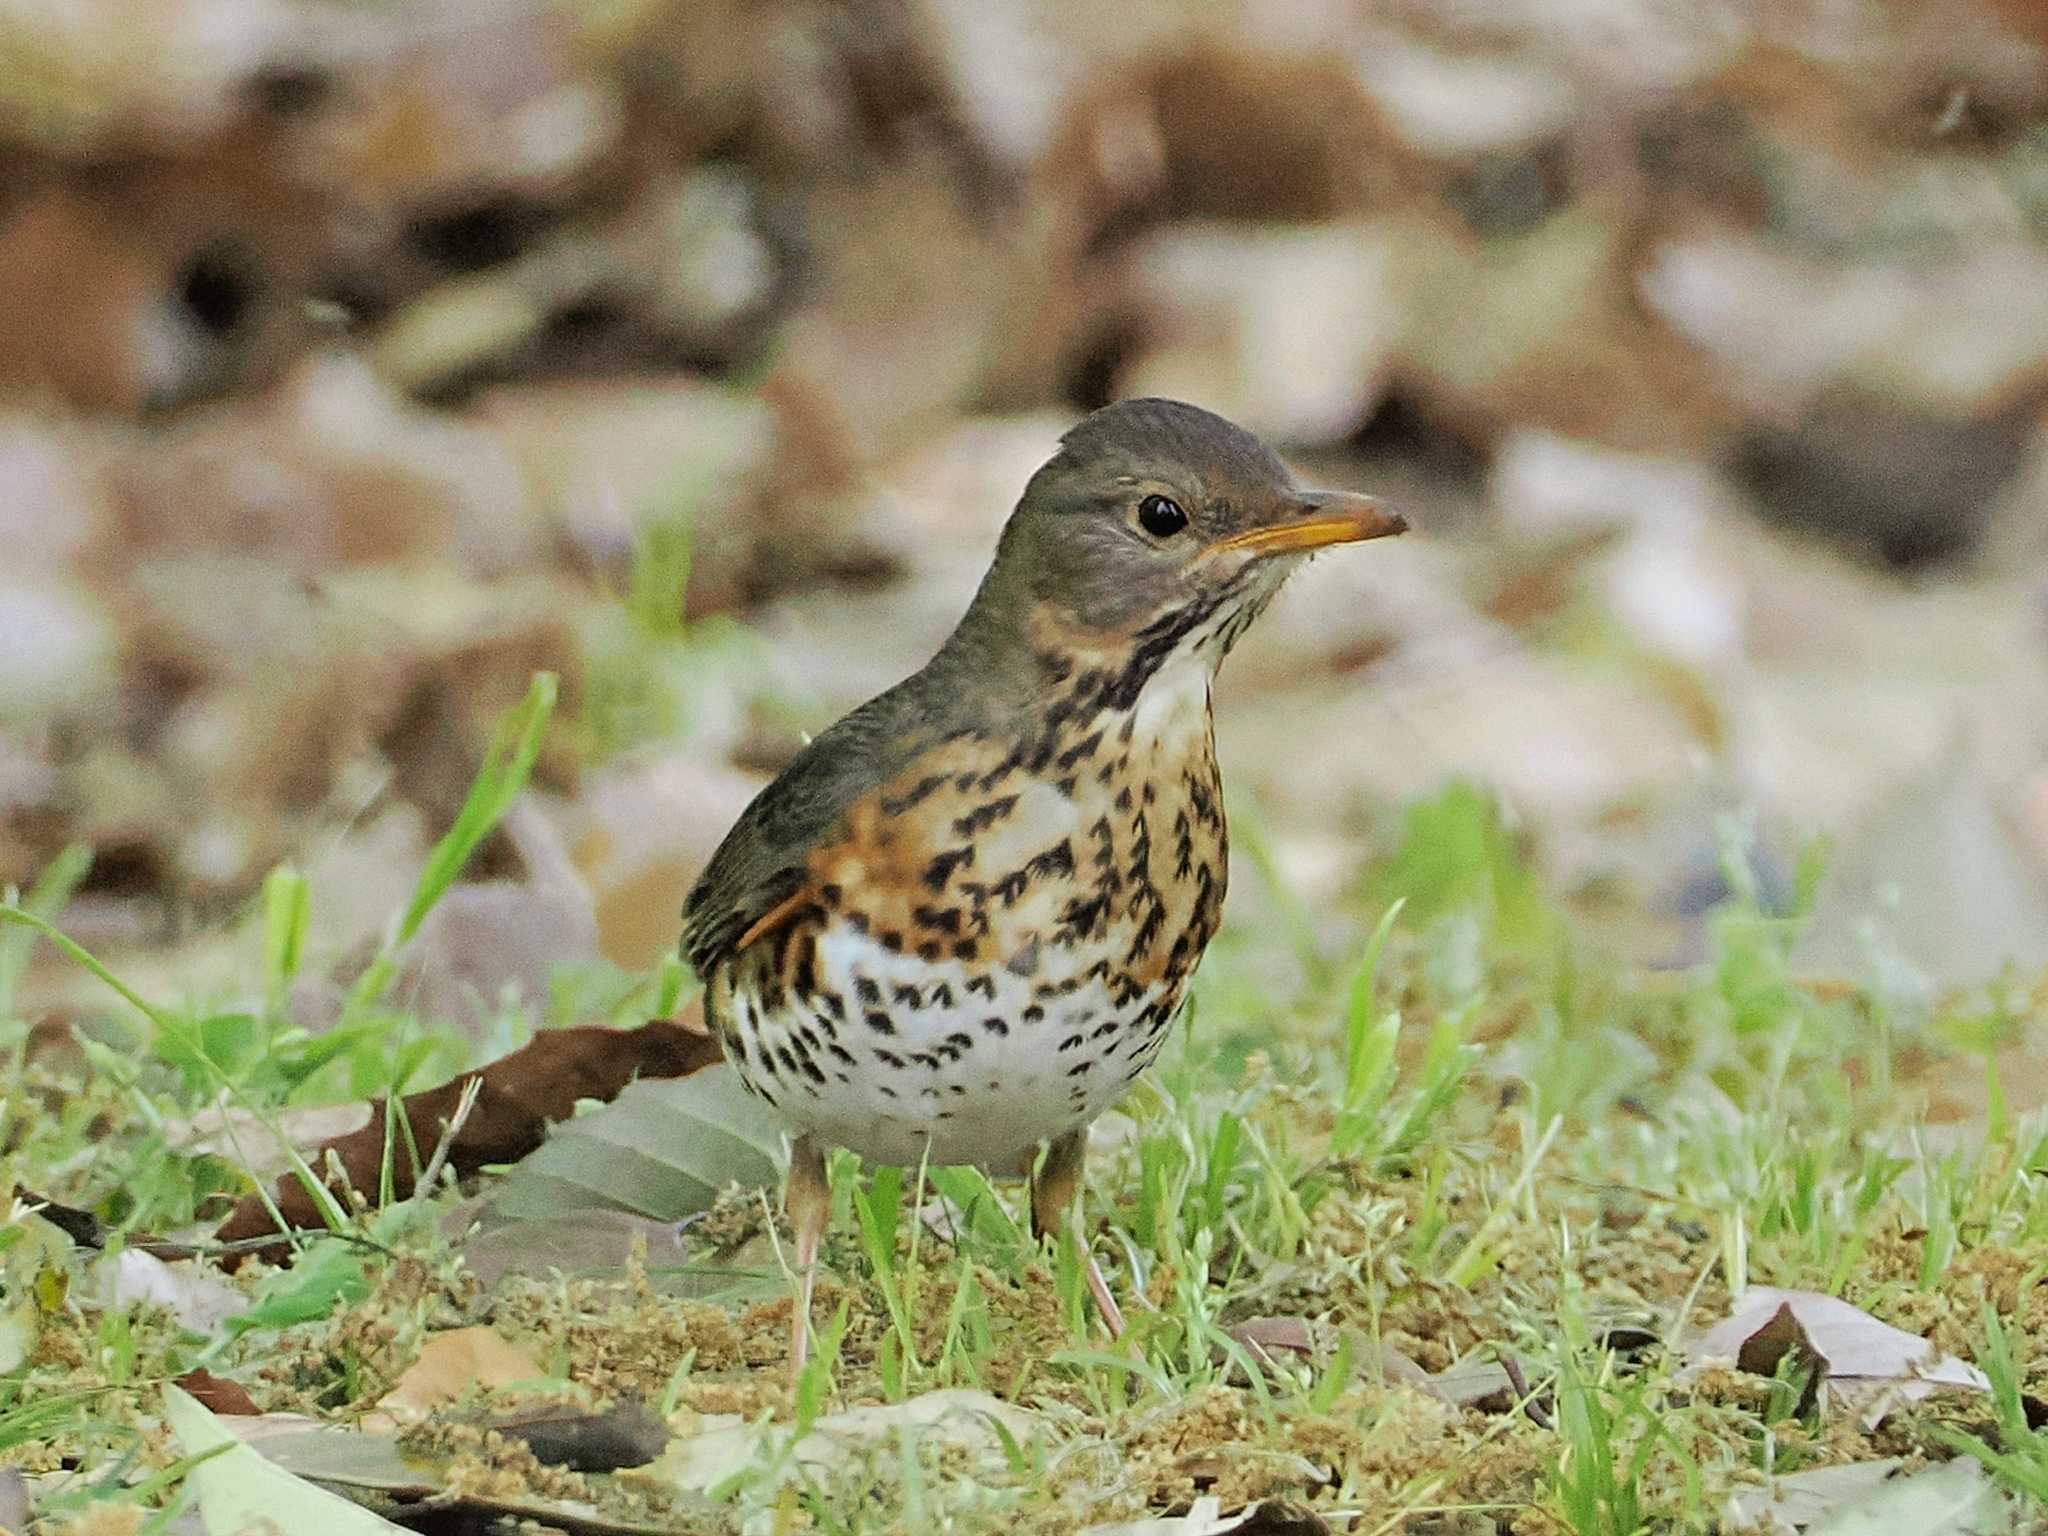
x=1454 y=104
x=577 y=1241
x=449 y=1364
x=1796 y=1500
x=1291 y=331
x=193 y=1293
x=251 y=1141
x=1867 y=1364
x=15 y=1508
x=1955 y=1499
x=1938 y=867
x=489 y=941
x=958 y=1419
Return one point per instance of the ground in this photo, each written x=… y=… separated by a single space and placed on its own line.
x=1335 y=1213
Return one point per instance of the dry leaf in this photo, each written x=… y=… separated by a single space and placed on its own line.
x=522 y=1093
x=1865 y=1363
x=576 y=1241
x=1267 y=1338
x=217 y=1394
x=962 y=1420
x=449 y=1364
x=659 y=1149
x=15 y=1505
x=193 y=1293
x=1470 y=1382
x=1866 y=1499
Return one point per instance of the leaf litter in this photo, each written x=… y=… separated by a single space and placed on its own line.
x=1868 y=1366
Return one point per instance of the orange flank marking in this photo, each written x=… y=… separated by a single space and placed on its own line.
x=775 y=917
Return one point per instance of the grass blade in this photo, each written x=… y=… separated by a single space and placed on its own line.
x=508 y=763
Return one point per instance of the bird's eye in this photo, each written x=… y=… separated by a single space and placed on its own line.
x=1161 y=516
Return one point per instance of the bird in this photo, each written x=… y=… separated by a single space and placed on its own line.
x=958 y=924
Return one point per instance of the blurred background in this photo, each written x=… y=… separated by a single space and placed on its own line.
x=359 y=360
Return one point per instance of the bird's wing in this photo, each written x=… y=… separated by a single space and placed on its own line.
x=759 y=872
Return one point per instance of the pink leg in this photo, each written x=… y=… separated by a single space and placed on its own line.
x=1053 y=1187
x=808 y=1200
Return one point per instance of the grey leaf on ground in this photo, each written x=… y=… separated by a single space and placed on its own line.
x=192 y=1293
x=1954 y=1499
x=572 y=1241
x=245 y=1139
x=1867 y=1364
x=240 y=1490
x=1473 y=1381
x=958 y=1420
x=663 y=1149
x=327 y=1457
x=1795 y=1501
x=15 y=1507
x=343 y=1458
x=1275 y=1341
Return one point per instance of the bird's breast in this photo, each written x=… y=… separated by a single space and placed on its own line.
x=1009 y=923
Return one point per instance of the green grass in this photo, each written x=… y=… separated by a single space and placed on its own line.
x=2014 y=1451
x=1466 y=1134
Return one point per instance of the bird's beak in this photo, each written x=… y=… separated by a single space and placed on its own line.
x=1321 y=518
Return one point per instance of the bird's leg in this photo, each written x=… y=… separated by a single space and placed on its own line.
x=807 y=1198
x=1054 y=1184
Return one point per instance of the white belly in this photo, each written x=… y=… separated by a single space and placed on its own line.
x=945 y=1070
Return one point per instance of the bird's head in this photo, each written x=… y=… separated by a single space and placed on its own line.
x=1162 y=529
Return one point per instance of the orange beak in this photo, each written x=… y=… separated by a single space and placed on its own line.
x=1325 y=518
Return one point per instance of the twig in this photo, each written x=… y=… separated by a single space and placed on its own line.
x=171 y=1252
x=1538 y=1415
x=472 y=1089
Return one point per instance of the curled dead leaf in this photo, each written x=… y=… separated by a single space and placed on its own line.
x=1864 y=1363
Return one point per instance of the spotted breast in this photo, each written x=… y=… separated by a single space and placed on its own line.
x=993 y=943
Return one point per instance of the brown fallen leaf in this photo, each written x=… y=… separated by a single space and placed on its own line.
x=1268 y=1338
x=217 y=1394
x=1866 y=1364
x=449 y=1364
x=521 y=1094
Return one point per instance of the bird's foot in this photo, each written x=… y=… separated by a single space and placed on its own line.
x=1054 y=1185
x=808 y=1200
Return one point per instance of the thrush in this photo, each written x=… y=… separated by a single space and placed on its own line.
x=958 y=925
